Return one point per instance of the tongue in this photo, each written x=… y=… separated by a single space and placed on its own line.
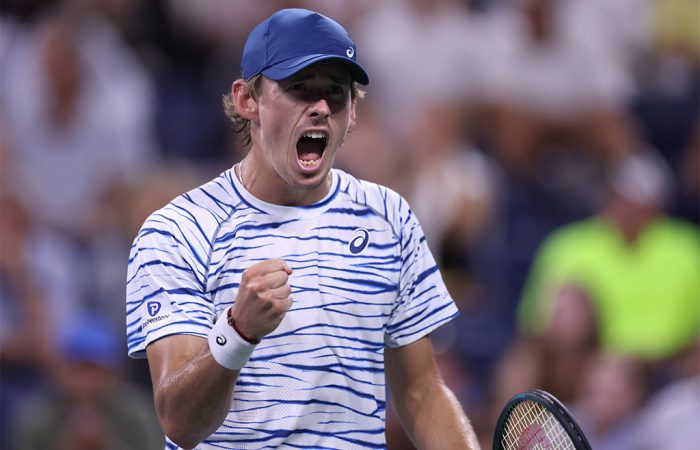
x=309 y=149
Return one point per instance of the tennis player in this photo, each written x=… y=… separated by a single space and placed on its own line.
x=272 y=300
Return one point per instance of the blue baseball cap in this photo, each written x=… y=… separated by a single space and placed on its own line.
x=91 y=339
x=292 y=39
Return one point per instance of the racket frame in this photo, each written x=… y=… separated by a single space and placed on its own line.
x=552 y=405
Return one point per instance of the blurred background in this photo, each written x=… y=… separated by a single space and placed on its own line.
x=550 y=148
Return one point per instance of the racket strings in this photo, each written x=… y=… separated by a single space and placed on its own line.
x=531 y=427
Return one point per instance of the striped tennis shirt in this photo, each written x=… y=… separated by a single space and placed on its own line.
x=363 y=279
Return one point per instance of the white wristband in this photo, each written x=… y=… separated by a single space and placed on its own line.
x=227 y=347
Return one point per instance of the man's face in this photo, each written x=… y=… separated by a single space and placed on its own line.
x=303 y=120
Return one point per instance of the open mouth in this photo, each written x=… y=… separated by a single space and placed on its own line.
x=310 y=149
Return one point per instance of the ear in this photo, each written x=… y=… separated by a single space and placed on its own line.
x=353 y=116
x=244 y=101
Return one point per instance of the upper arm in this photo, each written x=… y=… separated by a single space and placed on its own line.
x=422 y=399
x=411 y=369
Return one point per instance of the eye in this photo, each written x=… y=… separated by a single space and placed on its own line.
x=336 y=90
x=297 y=87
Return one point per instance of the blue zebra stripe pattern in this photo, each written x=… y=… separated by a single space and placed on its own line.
x=364 y=279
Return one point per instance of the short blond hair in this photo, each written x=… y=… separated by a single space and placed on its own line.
x=242 y=126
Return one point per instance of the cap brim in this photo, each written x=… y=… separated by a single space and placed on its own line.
x=288 y=68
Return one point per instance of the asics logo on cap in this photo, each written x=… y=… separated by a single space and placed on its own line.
x=350 y=52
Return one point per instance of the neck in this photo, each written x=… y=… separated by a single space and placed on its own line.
x=628 y=225
x=268 y=186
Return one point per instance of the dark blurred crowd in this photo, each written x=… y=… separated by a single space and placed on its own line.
x=550 y=148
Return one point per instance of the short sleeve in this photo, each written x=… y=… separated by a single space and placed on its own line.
x=166 y=285
x=423 y=303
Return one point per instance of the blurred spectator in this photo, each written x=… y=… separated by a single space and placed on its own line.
x=454 y=189
x=639 y=266
x=90 y=406
x=553 y=80
x=669 y=419
x=667 y=106
x=77 y=110
x=674 y=25
x=423 y=46
x=553 y=359
x=39 y=272
x=548 y=87
x=191 y=71
x=612 y=392
x=106 y=255
x=78 y=130
x=24 y=334
x=689 y=180
x=359 y=155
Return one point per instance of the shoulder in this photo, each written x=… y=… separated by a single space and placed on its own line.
x=678 y=229
x=381 y=200
x=578 y=234
x=677 y=239
x=196 y=215
x=576 y=241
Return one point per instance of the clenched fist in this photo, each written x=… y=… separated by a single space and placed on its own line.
x=263 y=298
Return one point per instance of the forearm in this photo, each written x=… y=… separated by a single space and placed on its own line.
x=435 y=420
x=193 y=402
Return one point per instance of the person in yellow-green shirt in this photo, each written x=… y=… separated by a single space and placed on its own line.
x=640 y=267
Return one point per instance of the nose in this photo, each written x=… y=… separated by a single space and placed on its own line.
x=319 y=108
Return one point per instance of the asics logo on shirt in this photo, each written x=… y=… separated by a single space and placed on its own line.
x=359 y=241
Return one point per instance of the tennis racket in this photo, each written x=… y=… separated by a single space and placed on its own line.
x=536 y=420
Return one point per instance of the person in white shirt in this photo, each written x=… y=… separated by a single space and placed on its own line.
x=271 y=300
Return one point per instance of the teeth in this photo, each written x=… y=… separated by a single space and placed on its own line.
x=309 y=163
x=315 y=134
